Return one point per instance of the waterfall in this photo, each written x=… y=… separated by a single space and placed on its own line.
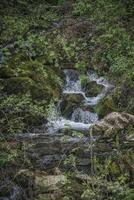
x=85 y=117
x=81 y=118
x=72 y=82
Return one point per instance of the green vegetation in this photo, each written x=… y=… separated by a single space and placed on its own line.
x=112 y=45
x=99 y=186
x=37 y=40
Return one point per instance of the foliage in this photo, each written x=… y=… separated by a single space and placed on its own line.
x=34 y=47
x=100 y=185
x=82 y=7
x=81 y=66
x=19 y=113
x=7 y=155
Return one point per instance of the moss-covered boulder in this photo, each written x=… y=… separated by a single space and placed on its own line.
x=70 y=101
x=73 y=97
x=121 y=99
x=105 y=106
x=112 y=125
x=91 y=88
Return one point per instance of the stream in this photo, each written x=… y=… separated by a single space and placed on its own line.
x=81 y=118
x=67 y=130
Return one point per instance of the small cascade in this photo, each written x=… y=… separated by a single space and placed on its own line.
x=98 y=80
x=74 y=111
x=81 y=118
x=92 y=101
x=62 y=123
x=85 y=117
x=72 y=84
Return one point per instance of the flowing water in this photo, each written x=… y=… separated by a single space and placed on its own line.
x=81 y=118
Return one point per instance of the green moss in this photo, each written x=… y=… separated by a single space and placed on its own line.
x=105 y=106
x=91 y=88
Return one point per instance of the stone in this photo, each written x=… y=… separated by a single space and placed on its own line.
x=48 y=183
x=76 y=97
x=71 y=101
x=105 y=106
x=112 y=124
x=91 y=88
x=44 y=183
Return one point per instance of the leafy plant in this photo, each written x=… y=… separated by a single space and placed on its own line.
x=82 y=7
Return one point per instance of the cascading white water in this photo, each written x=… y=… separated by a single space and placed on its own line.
x=100 y=81
x=72 y=82
x=85 y=117
x=81 y=119
x=56 y=122
x=55 y=126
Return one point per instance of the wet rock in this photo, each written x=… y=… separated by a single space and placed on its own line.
x=76 y=97
x=91 y=88
x=48 y=155
x=83 y=161
x=70 y=101
x=46 y=148
x=49 y=162
x=90 y=108
x=72 y=74
x=37 y=137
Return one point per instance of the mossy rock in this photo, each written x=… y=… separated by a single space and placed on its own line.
x=17 y=85
x=109 y=103
x=73 y=97
x=123 y=98
x=91 y=88
x=70 y=101
x=105 y=106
